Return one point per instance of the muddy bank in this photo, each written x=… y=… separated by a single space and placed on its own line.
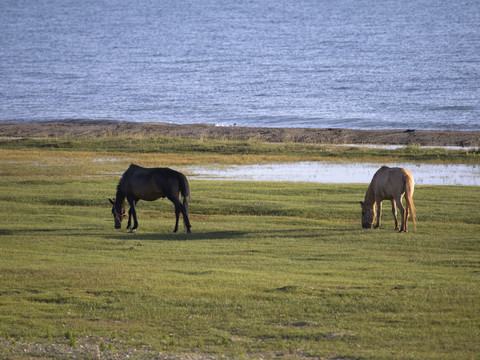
x=80 y=128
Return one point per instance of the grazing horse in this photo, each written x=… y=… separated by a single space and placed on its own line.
x=138 y=183
x=389 y=184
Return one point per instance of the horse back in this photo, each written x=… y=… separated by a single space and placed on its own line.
x=389 y=183
x=171 y=182
x=153 y=183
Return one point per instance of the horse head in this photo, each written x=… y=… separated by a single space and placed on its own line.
x=119 y=212
x=368 y=215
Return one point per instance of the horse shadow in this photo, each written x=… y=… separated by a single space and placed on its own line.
x=212 y=235
x=64 y=231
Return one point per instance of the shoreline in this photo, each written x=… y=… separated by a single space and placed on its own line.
x=334 y=136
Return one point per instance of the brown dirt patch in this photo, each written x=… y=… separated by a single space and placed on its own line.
x=79 y=128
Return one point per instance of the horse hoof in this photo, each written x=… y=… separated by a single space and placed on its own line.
x=132 y=230
x=189 y=231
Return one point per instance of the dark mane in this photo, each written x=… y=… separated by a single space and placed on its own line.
x=125 y=176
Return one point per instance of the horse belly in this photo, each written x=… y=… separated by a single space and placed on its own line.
x=152 y=196
x=383 y=190
x=148 y=192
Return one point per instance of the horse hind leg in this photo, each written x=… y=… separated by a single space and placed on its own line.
x=406 y=218
x=177 y=217
x=403 y=225
x=179 y=208
x=186 y=221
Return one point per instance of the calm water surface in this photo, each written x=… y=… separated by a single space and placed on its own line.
x=307 y=63
x=342 y=173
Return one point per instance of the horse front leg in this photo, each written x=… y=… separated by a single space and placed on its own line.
x=379 y=214
x=394 y=212
x=132 y=212
x=129 y=225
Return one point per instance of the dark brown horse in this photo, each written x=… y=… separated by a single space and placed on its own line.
x=138 y=183
x=389 y=184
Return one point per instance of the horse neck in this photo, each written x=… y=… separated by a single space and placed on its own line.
x=370 y=196
x=120 y=196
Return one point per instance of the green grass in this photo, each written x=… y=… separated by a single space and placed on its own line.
x=270 y=270
x=241 y=151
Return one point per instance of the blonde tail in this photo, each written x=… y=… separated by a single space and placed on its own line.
x=409 y=186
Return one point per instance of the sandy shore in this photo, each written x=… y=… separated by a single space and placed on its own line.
x=79 y=128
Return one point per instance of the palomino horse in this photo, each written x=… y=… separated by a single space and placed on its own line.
x=389 y=184
x=138 y=183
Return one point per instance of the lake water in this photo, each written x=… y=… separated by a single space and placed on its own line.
x=410 y=64
x=342 y=173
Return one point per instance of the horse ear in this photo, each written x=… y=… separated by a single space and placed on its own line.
x=362 y=203
x=112 y=202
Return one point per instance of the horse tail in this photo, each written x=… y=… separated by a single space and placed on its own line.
x=184 y=190
x=409 y=186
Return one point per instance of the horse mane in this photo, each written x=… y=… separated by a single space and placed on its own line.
x=370 y=194
x=124 y=178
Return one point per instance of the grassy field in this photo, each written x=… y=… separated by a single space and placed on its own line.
x=200 y=151
x=271 y=270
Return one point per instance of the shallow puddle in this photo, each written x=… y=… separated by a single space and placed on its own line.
x=345 y=173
